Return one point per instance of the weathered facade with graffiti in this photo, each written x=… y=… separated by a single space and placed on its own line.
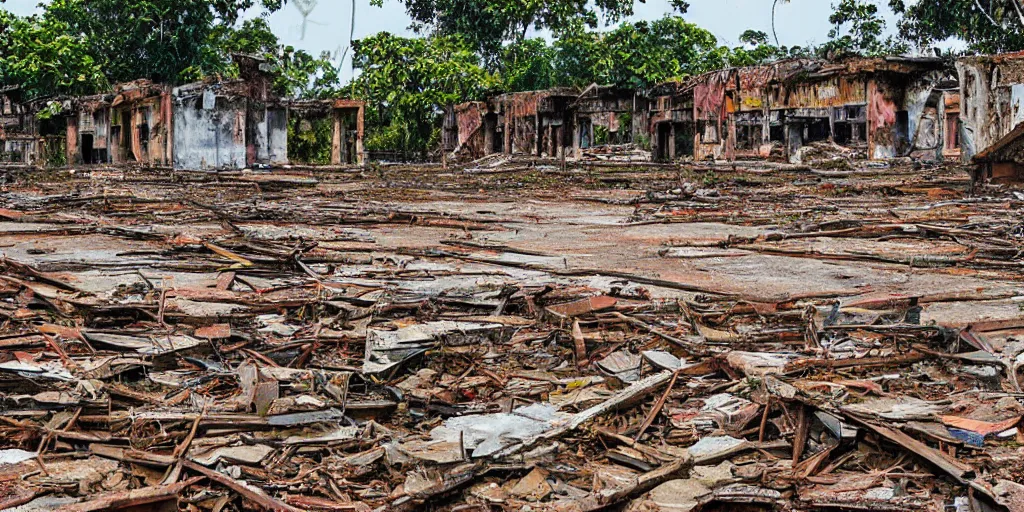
x=889 y=107
x=881 y=107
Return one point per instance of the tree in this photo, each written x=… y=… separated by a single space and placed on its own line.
x=43 y=58
x=775 y=3
x=638 y=54
x=488 y=24
x=858 y=29
x=757 y=50
x=164 y=40
x=407 y=82
x=298 y=74
x=987 y=26
x=528 y=65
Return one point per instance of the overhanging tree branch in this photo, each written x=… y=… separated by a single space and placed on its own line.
x=977 y=3
x=1020 y=11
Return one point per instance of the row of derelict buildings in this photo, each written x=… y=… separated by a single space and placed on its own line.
x=971 y=110
x=213 y=124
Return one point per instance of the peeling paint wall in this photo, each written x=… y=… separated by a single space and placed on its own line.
x=747 y=111
x=883 y=137
x=277 y=136
x=992 y=99
x=208 y=133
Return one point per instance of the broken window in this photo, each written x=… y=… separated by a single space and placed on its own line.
x=87 y=143
x=850 y=125
x=816 y=129
x=749 y=130
x=684 y=140
x=144 y=139
x=709 y=132
x=663 y=134
x=776 y=128
x=309 y=139
x=902 y=129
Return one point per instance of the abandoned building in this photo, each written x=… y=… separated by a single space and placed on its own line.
x=26 y=137
x=888 y=107
x=992 y=114
x=213 y=124
x=608 y=115
x=531 y=123
x=881 y=107
x=131 y=125
x=552 y=122
x=877 y=108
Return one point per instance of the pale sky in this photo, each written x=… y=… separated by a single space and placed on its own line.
x=799 y=22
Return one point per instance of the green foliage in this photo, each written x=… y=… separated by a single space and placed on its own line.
x=528 y=65
x=301 y=75
x=643 y=141
x=487 y=24
x=81 y=46
x=407 y=82
x=309 y=140
x=637 y=54
x=757 y=50
x=164 y=40
x=41 y=56
x=52 y=109
x=987 y=26
x=298 y=74
x=858 y=29
x=253 y=37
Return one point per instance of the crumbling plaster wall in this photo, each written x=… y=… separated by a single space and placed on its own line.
x=925 y=110
x=992 y=101
x=276 y=126
x=209 y=133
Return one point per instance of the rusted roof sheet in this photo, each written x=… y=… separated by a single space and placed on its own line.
x=1009 y=147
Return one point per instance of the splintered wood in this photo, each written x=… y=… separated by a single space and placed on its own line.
x=540 y=334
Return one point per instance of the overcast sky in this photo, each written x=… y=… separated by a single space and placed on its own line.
x=799 y=22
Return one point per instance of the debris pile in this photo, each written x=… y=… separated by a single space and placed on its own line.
x=616 y=153
x=417 y=339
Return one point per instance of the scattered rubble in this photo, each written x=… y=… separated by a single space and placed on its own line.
x=510 y=337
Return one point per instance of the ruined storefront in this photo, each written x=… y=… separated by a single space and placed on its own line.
x=31 y=131
x=536 y=123
x=607 y=115
x=547 y=123
x=131 y=125
x=671 y=121
x=209 y=127
x=212 y=124
x=886 y=107
x=18 y=142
